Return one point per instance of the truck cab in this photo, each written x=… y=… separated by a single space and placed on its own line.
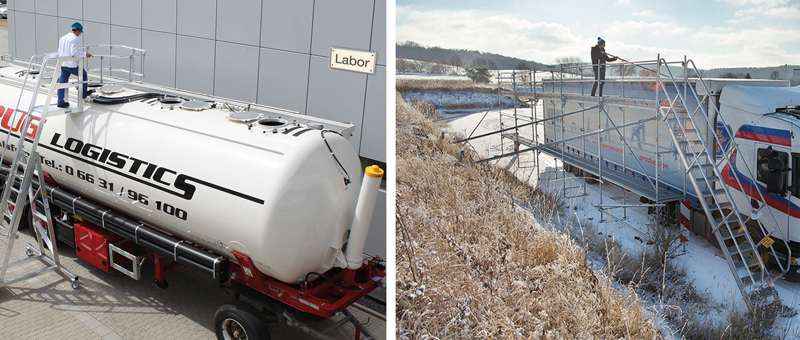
x=766 y=122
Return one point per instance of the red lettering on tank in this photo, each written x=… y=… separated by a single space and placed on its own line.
x=32 y=128
x=9 y=113
x=8 y=116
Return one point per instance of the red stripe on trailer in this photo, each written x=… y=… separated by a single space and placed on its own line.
x=685 y=214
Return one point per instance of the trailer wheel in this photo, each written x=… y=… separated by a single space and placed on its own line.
x=239 y=320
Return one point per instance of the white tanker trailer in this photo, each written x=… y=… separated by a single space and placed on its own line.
x=261 y=196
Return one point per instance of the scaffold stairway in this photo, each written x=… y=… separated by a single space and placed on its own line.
x=729 y=223
x=19 y=177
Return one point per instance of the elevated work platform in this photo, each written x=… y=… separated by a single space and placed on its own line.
x=658 y=135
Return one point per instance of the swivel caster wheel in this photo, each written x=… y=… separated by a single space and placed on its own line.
x=29 y=252
x=75 y=283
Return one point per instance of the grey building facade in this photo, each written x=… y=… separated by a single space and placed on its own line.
x=270 y=52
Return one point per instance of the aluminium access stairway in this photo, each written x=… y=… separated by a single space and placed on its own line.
x=25 y=164
x=734 y=232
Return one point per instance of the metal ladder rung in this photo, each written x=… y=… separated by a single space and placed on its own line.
x=39 y=215
x=68 y=84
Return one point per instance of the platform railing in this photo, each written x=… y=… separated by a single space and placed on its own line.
x=134 y=57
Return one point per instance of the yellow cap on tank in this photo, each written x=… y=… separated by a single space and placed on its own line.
x=374 y=171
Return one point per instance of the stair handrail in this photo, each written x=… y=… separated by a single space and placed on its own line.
x=735 y=150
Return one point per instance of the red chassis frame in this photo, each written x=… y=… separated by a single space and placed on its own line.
x=320 y=297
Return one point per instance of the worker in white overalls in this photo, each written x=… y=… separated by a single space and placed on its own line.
x=68 y=47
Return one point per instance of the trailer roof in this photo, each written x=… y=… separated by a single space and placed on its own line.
x=760 y=100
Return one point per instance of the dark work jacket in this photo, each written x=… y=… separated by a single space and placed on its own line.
x=599 y=55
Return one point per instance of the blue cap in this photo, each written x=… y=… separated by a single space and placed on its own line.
x=78 y=26
x=600 y=41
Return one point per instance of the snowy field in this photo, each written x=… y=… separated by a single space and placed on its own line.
x=704 y=262
x=454 y=98
x=430 y=76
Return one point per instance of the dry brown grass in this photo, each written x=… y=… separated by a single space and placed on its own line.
x=405 y=85
x=473 y=264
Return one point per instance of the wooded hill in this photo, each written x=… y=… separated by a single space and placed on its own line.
x=415 y=51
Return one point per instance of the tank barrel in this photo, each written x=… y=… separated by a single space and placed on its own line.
x=363 y=215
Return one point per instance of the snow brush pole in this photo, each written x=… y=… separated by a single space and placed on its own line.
x=639 y=66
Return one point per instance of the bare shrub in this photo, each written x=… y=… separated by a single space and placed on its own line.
x=427 y=109
x=652 y=270
x=438 y=67
x=739 y=322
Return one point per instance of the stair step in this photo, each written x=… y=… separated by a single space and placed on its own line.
x=739 y=265
x=747 y=281
x=690 y=142
x=744 y=247
x=725 y=235
x=730 y=219
x=702 y=166
x=698 y=153
x=678 y=118
x=720 y=206
x=710 y=179
x=709 y=193
x=767 y=292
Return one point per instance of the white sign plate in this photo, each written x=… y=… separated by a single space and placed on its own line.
x=352 y=60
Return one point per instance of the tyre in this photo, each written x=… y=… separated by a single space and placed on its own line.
x=239 y=320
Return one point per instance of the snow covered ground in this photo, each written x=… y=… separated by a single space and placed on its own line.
x=457 y=97
x=704 y=262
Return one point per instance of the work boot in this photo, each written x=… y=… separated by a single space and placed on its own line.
x=63 y=105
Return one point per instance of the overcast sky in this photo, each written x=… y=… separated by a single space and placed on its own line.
x=714 y=33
